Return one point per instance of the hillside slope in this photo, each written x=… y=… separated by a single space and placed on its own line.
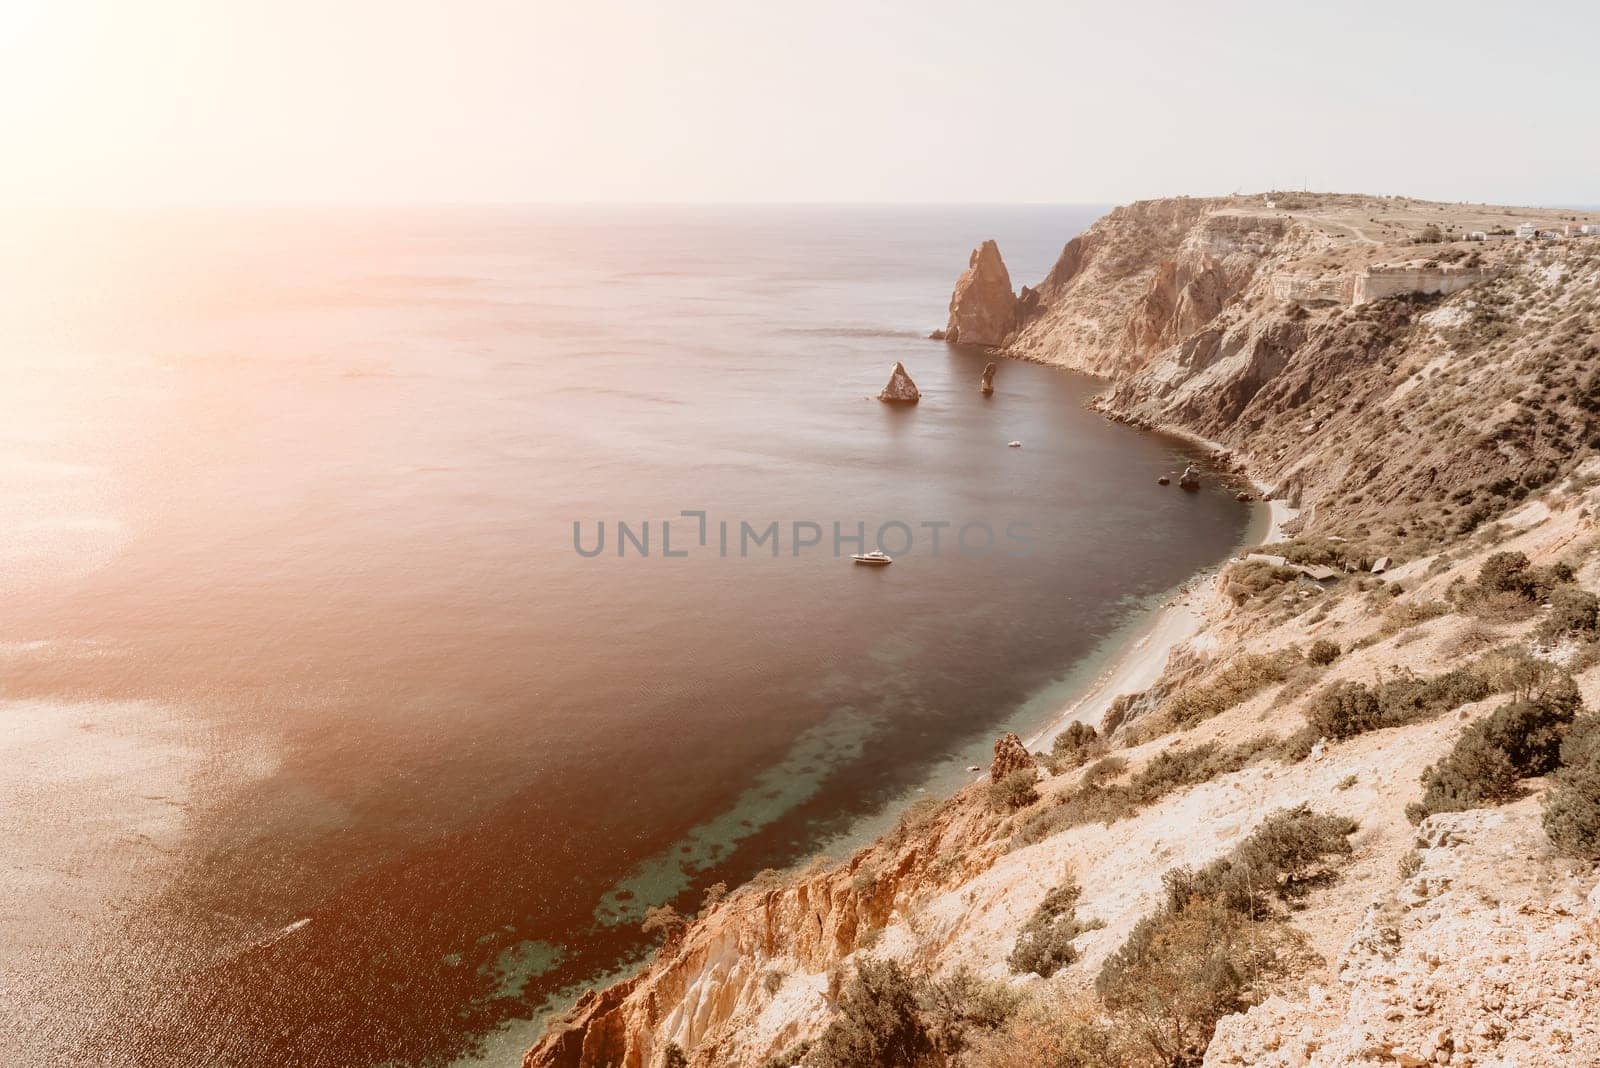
x=1389 y=921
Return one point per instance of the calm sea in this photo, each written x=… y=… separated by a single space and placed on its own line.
x=319 y=742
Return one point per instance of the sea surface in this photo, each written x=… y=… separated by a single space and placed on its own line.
x=321 y=743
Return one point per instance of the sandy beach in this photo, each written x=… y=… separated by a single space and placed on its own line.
x=1141 y=662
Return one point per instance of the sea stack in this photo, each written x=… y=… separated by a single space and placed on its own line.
x=988 y=378
x=900 y=390
x=1190 y=479
x=983 y=309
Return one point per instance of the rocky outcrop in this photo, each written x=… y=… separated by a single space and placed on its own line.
x=900 y=389
x=983 y=309
x=987 y=384
x=1485 y=956
x=1190 y=479
x=1010 y=756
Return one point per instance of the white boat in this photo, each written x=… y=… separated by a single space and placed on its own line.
x=876 y=558
x=1013 y=444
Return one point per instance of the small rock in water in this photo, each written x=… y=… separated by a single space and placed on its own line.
x=900 y=390
x=1190 y=479
x=1243 y=496
x=1163 y=481
x=988 y=379
x=937 y=335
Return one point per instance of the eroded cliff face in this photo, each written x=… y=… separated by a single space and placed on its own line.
x=1140 y=279
x=1266 y=331
x=758 y=970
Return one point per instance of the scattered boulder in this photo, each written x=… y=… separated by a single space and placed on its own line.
x=1244 y=495
x=988 y=378
x=983 y=309
x=937 y=335
x=1163 y=481
x=900 y=390
x=1190 y=479
x=1010 y=756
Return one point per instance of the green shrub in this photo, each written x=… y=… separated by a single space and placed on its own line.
x=1104 y=769
x=1572 y=611
x=958 y=1008
x=1256 y=580
x=1044 y=944
x=1323 y=652
x=1572 y=802
x=876 y=1022
x=1053 y=1029
x=1344 y=710
x=794 y=1055
x=1178 y=974
x=1493 y=755
x=673 y=1057
x=1201 y=956
x=1274 y=863
x=1508 y=587
x=1014 y=791
x=1406 y=697
x=1237 y=681
x=1076 y=746
x=1169 y=770
x=663 y=920
x=1297 y=746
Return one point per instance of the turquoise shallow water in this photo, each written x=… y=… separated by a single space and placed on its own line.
x=293 y=498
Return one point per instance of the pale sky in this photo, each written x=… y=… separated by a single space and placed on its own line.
x=179 y=101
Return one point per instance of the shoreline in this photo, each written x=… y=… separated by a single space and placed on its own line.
x=1142 y=659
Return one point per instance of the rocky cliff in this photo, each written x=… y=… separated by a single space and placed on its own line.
x=983 y=309
x=1432 y=429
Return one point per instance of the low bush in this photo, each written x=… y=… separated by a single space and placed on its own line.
x=663 y=920
x=877 y=1021
x=1297 y=746
x=1276 y=862
x=1208 y=950
x=1509 y=587
x=1179 y=973
x=1014 y=791
x=1075 y=747
x=1573 y=612
x=1167 y=771
x=960 y=1007
x=791 y=1057
x=1572 y=803
x=884 y=1016
x=1044 y=944
x=1104 y=770
x=1493 y=755
x=1323 y=652
x=1235 y=682
x=1344 y=710
x=1256 y=581
x=1402 y=615
x=1348 y=708
x=917 y=815
x=1055 y=1029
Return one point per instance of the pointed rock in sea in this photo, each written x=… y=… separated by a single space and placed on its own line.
x=900 y=390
